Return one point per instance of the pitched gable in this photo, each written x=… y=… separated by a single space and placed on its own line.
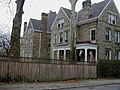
x=61 y=14
x=35 y=24
x=51 y=18
x=67 y=12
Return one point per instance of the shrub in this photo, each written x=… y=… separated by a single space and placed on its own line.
x=108 y=68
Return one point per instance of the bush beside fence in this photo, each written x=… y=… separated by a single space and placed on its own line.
x=108 y=68
x=36 y=71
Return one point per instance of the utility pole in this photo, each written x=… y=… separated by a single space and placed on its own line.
x=16 y=28
x=73 y=31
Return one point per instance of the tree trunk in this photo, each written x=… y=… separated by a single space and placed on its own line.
x=15 y=37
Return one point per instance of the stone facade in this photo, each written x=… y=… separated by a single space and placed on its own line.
x=36 y=39
x=94 y=32
x=101 y=27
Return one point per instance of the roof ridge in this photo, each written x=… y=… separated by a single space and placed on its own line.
x=95 y=9
x=35 y=19
x=65 y=8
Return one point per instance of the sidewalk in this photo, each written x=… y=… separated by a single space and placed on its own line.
x=58 y=85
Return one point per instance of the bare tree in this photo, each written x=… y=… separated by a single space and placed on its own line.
x=73 y=30
x=5 y=38
x=16 y=29
x=5 y=42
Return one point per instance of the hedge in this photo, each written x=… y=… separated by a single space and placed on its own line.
x=108 y=68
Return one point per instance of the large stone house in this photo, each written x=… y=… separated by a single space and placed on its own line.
x=35 y=42
x=98 y=32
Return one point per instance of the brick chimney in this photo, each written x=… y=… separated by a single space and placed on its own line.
x=86 y=4
x=44 y=18
x=44 y=38
x=87 y=9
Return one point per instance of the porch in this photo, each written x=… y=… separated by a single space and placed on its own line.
x=84 y=53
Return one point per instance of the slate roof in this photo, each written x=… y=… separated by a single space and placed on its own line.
x=95 y=10
x=35 y=24
x=51 y=18
x=67 y=11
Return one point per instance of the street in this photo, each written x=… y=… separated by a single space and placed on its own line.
x=102 y=87
x=52 y=87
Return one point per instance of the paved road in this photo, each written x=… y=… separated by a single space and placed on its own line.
x=103 y=87
x=100 y=84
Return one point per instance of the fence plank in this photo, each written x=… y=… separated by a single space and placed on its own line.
x=46 y=72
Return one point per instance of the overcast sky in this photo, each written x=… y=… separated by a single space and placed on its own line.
x=34 y=8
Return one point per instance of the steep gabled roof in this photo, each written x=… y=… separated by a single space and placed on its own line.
x=95 y=10
x=67 y=11
x=51 y=18
x=35 y=23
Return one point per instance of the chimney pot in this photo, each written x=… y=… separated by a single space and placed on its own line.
x=86 y=3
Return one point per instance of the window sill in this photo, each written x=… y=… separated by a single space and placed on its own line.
x=93 y=41
x=112 y=24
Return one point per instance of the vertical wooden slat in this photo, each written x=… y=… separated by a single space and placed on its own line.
x=38 y=71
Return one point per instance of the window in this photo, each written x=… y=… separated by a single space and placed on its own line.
x=108 y=34
x=92 y=35
x=108 y=54
x=111 y=19
x=55 y=38
x=60 y=23
x=49 y=45
x=117 y=37
x=117 y=55
x=66 y=36
x=1 y=44
x=61 y=37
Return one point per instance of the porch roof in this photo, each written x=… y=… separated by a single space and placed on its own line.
x=85 y=42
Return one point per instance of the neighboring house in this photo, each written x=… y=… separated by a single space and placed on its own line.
x=36 y=39
x=4 y=44
x=98 y=32
x=2 y=51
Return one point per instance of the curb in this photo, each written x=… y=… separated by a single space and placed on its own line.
x=82 y=86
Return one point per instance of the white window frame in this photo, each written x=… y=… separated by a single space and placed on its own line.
x=60 y=23
x=94 y=29
x=117 y=37
x=66 y=33
x=109 y=34
x=112 y=19
x=108 y=54
x=66 y=36
x=60 y=36
x=117 y=55
x=55 y=38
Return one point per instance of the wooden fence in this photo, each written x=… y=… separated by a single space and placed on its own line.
x=45 y=72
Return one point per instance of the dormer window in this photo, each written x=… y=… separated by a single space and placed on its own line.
x=111 y=18
x=60 y=23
